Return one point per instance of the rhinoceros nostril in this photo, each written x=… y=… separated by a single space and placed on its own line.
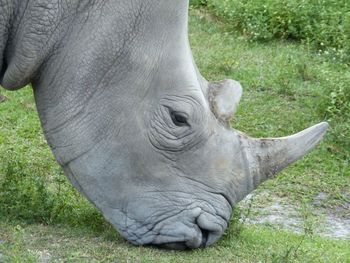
x=205 y=234
x=211 y=226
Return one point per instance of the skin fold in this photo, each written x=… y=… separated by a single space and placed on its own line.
x=133 y=124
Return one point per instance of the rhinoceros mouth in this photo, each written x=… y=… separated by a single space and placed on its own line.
x=180 y=235
x=189 y=228
x=187 y=244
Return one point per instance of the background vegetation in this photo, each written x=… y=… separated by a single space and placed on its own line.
x=289 y=84
x=322 y=27
x=322 y=24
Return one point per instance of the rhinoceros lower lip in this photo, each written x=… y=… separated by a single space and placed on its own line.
x=190 y=244
x=207 y=239
x=186 y=245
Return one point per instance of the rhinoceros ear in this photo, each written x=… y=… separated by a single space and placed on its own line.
x=33 y=38
x=224 y=97
x=21 y=65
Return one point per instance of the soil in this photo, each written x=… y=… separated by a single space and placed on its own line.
x=263 y=208
x=2 y=98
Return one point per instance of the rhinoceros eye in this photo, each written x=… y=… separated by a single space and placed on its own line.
x=179 y=118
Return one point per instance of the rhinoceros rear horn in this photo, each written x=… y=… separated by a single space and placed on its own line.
x=266 y=157
x=224 y=97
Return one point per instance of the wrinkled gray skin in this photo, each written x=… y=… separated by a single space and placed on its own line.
x=132 y=122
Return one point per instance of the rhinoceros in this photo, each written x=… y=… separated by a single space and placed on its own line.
x=136 y=128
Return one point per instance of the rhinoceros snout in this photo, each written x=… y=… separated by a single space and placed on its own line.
x=188 y=233
x=187 y=228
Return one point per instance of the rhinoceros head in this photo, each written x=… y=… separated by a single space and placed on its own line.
x=135 y=126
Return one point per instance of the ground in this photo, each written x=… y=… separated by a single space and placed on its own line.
x=43 y=219
x=262 y=207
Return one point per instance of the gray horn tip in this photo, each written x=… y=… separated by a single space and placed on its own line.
x=268 y=156
x=315 y=133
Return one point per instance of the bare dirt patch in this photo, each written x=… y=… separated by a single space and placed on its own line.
x=263 y=208
x=2 y=98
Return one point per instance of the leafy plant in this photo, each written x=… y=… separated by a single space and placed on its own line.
x=197 y=3
x=40 y=199
x=24 y=196
x=324 y=25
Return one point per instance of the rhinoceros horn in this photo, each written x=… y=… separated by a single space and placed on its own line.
x=268 y=156
x=264 y=157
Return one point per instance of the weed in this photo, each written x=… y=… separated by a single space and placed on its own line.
x=339 y=101
x=31 y=198
x=237 y=221
x=24 y=196
x=321 y=24
x=2 y=98
x=309 y=220
x=197 y=3
x=290 y=254
x=304 y=72
x=15 y=245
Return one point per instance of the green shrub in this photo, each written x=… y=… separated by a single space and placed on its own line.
x=24 y=197
x=322 y=24
x=339 y=102
x=44 y=198
x=197 y=3
x=336 y=109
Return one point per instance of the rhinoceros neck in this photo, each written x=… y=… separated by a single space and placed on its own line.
x=94 y=83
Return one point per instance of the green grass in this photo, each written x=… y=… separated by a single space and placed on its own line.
x=286 y=88
x=26 y=243
x=321 y=24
